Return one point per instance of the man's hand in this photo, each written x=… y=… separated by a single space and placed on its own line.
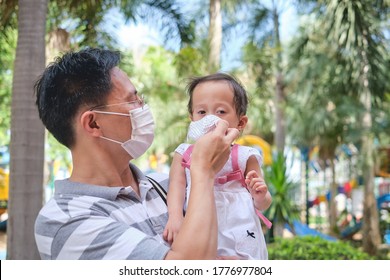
x=212 y=150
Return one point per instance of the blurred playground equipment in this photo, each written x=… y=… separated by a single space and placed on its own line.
x=349 y=196
x=355 y=225
x=383 y=164
x=301 y=229
x=4 y=184
x=258 y=143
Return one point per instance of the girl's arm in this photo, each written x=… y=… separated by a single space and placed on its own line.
x=256 y=185
x=175 y=198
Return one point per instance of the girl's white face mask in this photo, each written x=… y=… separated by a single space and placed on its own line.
x=199 y=128
x=142 y=134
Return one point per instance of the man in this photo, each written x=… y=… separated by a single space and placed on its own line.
x=108 y=209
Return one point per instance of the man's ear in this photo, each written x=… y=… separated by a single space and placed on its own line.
x=89 y=123
x=242 y=123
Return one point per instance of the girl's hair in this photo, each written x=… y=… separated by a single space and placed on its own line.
x=240 y=98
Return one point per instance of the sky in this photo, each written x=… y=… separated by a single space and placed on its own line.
x=139 y=36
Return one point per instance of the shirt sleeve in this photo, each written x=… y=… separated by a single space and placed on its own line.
x=245 y=152
x=257 y=153
x=182 y=148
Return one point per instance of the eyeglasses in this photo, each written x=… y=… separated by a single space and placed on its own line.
x=139 y=103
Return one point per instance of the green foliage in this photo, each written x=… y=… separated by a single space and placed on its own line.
x=313 y=248
x=189 y=61
x=56 y=151
x=7 y=54
x=259 y=67
x=155 y=75
x=283 y=209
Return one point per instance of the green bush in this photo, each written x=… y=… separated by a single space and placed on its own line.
x=313 y=248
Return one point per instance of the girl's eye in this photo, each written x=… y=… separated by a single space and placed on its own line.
x=201 y=112
x=220 y=112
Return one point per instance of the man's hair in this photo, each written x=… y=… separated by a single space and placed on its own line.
x=74 y=80
x=240 y=98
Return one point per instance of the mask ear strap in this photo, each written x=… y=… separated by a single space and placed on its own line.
x=112 y=140
x=112 y=113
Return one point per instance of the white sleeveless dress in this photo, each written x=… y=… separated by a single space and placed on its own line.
x=239 y=228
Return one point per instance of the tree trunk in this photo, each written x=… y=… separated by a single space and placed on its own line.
x=279 y=114
x=58 y=42
x=332 y=200
x=27 y=133
x=278 y=229
x=215 y=36
x=304 y=197
x=279 y=98
x=371 y=234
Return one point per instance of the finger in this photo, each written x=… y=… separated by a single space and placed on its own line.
x=252 y=174
x=249 y=183
x=232 y=134
x=165 y=235
x=252 y=181
x=221 y=127
x=261 y=188
x=170 y=237
x=258 y=181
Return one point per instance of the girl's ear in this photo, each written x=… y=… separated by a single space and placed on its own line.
x=242 y=123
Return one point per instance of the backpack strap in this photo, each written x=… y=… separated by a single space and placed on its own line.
x=159 y=189
x=235 y=175
x=236 y=167
x=267 y=222
x=186 y=158
x=240 y=177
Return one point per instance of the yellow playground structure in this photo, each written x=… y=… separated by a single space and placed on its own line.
x=258 y=143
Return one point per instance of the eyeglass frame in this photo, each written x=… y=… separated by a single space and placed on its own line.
x=140 y=100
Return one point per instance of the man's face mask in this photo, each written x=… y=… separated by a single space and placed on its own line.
x=142 y=134
x=199 y=128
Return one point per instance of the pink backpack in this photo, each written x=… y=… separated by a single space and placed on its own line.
x=235 y=175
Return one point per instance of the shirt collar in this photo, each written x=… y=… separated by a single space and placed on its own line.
x=63 y=187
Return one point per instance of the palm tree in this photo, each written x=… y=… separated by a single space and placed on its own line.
x=222 y=17
x=27 y=132
x=317 y=94
x=354 y=26
x=282 y=210
x=215 y=35
x=263 y=35
x=258 y=63
x=356 y=45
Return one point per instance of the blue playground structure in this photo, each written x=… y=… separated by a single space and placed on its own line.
x=301 y=229
x=304 y=230
x=351 y=230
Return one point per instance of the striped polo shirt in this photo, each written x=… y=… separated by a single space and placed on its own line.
x=84 y=221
